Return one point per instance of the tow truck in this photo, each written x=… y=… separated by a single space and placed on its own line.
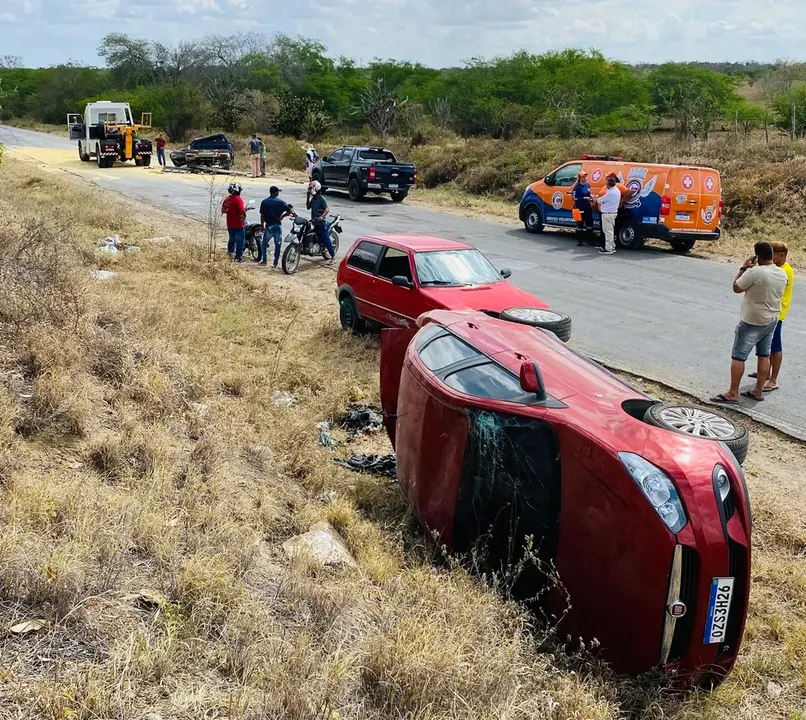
x=107 y=132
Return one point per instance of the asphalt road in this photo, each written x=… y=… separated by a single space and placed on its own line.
x=652 y=313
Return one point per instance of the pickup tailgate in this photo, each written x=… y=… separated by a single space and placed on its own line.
x=390 y=175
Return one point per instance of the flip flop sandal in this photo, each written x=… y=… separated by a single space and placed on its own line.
x=751 y=396
x=723 y=399
x=769 y=389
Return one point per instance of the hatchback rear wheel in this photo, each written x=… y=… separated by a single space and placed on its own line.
x=549 y=320
x=702 y=423
x=351 y=321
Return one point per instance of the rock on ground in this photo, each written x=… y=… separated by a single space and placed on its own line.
x=322 y=544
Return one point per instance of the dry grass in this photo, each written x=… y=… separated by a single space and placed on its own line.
x=148 y=482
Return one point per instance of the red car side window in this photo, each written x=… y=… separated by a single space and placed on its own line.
x=365 y=256
x=486 y=381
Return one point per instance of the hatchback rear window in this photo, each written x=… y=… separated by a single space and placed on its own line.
x=445 y=351
x=377 y=155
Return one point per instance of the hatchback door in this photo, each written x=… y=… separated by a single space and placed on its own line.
x=396 y=304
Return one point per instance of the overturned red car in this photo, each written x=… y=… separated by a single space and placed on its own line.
x=635 y=513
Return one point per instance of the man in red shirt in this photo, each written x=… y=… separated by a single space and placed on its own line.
x=235 y=210
x=160 y=143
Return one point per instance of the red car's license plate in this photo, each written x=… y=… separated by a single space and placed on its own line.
x=718 y=611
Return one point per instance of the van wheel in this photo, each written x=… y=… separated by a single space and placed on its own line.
x=682 y=246
x=629 y=235
x=532 y=219
x=700 y=422
x=549 y=320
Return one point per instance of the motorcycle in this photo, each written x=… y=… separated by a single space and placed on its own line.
x=254 y=235
x=303 y=240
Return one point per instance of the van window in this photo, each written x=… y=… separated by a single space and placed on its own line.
x=365 y=256
x=567 y=176
x=394 y=263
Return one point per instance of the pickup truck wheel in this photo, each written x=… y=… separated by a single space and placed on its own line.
x=682 y=246
x=550 y=320
x=702 y=423
x=399 y=196
x=532 y=219
x=629 y=235
x=351 y=321
x=291 y=259
x=354 y=190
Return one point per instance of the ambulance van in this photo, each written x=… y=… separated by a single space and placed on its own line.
x=679 y=204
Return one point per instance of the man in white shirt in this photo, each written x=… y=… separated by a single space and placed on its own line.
x=311 y=158
x=608 y=206
x=763 y=284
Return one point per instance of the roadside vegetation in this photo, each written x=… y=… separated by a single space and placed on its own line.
x=148 y=480
x=479 y=133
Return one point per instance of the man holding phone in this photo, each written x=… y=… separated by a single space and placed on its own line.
x=762 y=283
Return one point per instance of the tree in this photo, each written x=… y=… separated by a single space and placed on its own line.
x=380 y=105
x=783 y=106
x=693 y=98
x=746 y=116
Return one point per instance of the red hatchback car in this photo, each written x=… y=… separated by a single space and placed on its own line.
x=393 y=279
x=635 y=514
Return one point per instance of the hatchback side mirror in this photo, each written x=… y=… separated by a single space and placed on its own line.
x=402 y=281
x=506 y=273
x=531 y=381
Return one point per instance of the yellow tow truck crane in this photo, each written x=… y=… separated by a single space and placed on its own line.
x=107 y=132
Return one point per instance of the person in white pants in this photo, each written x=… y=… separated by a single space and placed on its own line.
x=608 y=206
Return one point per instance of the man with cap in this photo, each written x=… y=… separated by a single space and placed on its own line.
x=273 y=211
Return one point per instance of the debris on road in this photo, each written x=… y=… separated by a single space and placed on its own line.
x=384 y=465
x=322 y=544
x=204 y=171
x=362 y=419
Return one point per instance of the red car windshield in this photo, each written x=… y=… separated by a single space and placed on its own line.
x=455 y=268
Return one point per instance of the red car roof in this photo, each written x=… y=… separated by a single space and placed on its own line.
x=418 y=243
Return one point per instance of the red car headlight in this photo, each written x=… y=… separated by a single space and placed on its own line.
x=658 y=488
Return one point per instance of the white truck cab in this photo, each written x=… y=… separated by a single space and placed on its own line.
x=107 y=132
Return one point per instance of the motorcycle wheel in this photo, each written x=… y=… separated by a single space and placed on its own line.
x=291 y=258
x=254 y=246
x=334 y=238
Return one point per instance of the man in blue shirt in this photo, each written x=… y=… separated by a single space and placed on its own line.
x=582 y=202
x=317 y=204
x=272 y=213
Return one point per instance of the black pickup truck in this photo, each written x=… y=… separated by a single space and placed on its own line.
x=362 y=170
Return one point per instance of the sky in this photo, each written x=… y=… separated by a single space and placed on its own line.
x=439 y=33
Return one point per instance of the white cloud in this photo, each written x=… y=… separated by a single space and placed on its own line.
x=436 y=32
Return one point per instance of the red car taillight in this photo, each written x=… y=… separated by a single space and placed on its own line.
x=416 y=175
x=371 y=174
x=665 y=206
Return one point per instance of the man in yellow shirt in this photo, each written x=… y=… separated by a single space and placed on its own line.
x=780 y=253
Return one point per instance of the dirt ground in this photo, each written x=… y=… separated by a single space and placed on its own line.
x=149 y=479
